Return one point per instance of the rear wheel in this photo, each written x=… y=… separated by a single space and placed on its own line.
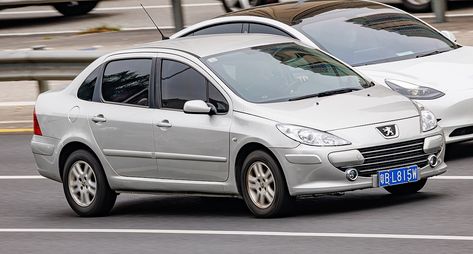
x=85 y=185
x=263 y=186
x=408 y=188
x=75 y=8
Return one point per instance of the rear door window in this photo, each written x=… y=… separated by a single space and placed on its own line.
x=127 y=81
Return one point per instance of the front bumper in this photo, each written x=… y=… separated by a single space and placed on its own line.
x=309 y=170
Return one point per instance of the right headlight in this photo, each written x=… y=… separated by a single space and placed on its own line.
x=310 y=136
x=413 y=91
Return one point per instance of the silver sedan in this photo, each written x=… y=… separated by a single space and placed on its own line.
x=260 y=117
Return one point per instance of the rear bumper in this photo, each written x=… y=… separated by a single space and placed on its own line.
x=45 y=153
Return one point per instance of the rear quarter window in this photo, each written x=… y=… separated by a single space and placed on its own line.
x=86 y=90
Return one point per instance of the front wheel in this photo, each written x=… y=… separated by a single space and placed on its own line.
x=85 y=185
x=406 y=189
x=76 y=8
x=263 y=186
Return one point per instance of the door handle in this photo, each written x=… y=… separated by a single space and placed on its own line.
x=164 y=124
x=99 y=119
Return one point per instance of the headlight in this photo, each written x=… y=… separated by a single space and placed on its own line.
x=311 y=137
x=414 y=91
x=427 y=120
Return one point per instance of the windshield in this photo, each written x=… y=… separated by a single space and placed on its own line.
x=371 y=34
x=282 y=72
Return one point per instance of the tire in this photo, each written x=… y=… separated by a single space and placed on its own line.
x=78 y=184
x=226 y=6
x=406 y=189
x=252 y=184
x=414 y=6
x=253 y=3
x=75 y=8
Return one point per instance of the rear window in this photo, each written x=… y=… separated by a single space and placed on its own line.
x=127 y=81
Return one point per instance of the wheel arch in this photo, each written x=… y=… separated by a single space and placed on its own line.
x=243 y=152
x=68 y=149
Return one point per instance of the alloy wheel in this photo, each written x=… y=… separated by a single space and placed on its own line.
x=260 y=184
x=82 y=183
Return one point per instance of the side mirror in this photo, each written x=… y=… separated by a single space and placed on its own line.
x=197 y=107
x=449 y=35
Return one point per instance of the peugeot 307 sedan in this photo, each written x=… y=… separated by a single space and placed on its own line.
x=388 y=45
x=259 y=116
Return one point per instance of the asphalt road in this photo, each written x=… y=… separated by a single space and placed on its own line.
x=437 y=220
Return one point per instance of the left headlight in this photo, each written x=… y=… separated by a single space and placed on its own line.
x=310 y=136
x=413 y=91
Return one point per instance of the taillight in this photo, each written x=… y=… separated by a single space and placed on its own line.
x=36 y=128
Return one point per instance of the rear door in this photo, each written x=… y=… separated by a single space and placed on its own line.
x=122 y=118
x=190 y=146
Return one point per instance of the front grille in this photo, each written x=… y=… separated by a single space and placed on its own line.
x=462 y=131
x=396 y=155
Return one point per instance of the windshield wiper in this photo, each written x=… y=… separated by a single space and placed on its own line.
x=435 y=52
x=323 y=94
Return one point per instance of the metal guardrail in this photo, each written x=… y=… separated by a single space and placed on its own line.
x=44 y=65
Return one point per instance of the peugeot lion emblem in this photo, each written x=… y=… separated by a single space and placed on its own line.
x=388 y=131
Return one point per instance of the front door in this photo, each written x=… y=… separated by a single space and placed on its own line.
x=190 y=146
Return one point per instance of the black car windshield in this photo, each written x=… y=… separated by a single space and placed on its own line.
x=371 y=34
x=283 y=72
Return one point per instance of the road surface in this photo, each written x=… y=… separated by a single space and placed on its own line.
x=35 y=218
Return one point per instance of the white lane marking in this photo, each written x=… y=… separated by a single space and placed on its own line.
x=27 y=177
x=15 y=122
x=452 y=15
x=126 y=29
x=16 y=103
x=237 y=233
x=453 y=177
x=106 y=9
x=41 y=33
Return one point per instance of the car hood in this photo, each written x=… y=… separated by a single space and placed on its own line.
x=446 y=71
x=376 y=104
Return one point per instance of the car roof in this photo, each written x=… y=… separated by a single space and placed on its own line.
x=206 y=45
x=290 y=13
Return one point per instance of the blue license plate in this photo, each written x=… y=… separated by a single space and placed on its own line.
x=398 y=176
